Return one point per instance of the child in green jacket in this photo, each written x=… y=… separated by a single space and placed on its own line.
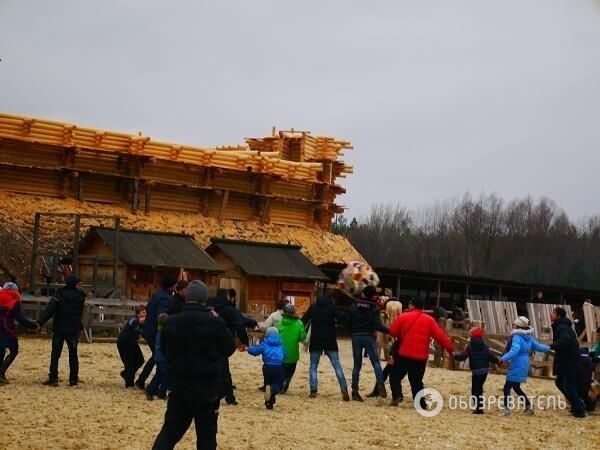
x=292 y=333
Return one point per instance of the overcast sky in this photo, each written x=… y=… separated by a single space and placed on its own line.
x=438 y=97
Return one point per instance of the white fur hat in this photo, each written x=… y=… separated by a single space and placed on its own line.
x=522 y=322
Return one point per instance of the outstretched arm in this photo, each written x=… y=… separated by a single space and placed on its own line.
x=23 y=319
x=49 y=312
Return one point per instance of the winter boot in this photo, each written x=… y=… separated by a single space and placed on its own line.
x=356 y=396
x=50 y=382
x=345 y=395
x=381 y=390
x=313 y=394
x=374 y=393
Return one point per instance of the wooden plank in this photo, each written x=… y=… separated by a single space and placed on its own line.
x=495 y=317
x=591 y=315
x=539 y=318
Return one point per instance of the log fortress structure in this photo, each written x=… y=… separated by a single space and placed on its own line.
x=59 y=181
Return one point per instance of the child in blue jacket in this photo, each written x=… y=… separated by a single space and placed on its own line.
x=522 y=344
x=273 y=354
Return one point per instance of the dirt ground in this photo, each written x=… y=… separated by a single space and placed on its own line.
x=101 y=414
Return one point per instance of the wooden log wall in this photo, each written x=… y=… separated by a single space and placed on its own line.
x=288 y=178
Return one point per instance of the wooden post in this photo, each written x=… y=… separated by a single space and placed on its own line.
x=147 y=199
x=467 y=291
x=80 y=188
x=223 y=205
x=34 y=249
x=499 y=293
x=398 y=287
x=95 y=277
x=439 y=293
x=265 y=212
x=116 y=254
x=75 y=259
x=134 y=200
x=562 y=297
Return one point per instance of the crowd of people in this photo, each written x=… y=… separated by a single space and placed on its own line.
x=191 y=337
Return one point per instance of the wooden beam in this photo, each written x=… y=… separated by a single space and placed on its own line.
x=75 y=258
x=398 y=287
x=223 y=205
x=439 y=293
x=79 y=187
x=264 y=217
x=116 y=255
x=148 y=198
x=135 y=199
x=34 y=249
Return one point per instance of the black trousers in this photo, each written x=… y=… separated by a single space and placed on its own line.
x=147 y=370
x=566 y=382
x=58 y=341
x=12 y=344
x=416 y=371
x=289 y=370
x=477 y=382
x=132 y=358
x=182 y=408
x=228 y=383
x=508 y=385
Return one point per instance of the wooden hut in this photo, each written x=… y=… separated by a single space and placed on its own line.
x=263 y=273
x=145 y=258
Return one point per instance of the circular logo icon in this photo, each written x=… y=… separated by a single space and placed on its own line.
x=428 y=402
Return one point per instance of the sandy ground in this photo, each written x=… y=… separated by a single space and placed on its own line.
x=101 y=414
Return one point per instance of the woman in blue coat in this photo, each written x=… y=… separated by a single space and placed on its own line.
x=521 y=344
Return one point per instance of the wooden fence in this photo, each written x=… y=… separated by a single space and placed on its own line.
x=591 y=316
x=496 y=317
x=100 y=314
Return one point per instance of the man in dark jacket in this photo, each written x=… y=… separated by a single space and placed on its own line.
x=66 y=307
x=362 y=321
x=566 y=359
x=160 y=302
x=196 y=343
x=178 y=298
x=585 y=376
x=235 y=322
x=322 y=317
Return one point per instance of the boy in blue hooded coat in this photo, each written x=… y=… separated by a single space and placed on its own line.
x=522 y=343
x=273 y=354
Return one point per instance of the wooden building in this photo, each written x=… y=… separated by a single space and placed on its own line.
x=263 y=273
x=288 y=178
x=145 y=258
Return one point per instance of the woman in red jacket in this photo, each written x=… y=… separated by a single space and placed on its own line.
x=414 y=329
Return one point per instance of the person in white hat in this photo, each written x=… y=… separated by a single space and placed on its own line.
x=521 y=344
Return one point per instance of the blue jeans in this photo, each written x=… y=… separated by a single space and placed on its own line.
x=315 y=357
x=360 y=343
x=160 y=383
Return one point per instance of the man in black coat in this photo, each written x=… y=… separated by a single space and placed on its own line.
x=66 y=307
x=196 y=343
x=235 y=322
x=566 y=359
x=322 y=316
x=362 y=321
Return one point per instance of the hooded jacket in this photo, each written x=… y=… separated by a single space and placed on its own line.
x=271 y=349
x=363 y=319
x=160 y=302
x=322 y=317
x=10 y=310
x=291 y=332
x=565 y=345
x=232 y=317
x=66 y=307
x=479 y=356
x=521 y=347
x=415 y=329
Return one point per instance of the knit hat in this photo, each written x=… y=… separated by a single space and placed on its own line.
x=522 y=322
x=477 y=332
x=72 y=281
x=10 y=286
x=272 y=331
x=289 y=310
x=196 y=292
x=282 y=303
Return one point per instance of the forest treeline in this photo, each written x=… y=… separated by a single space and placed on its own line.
x=524 y=239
